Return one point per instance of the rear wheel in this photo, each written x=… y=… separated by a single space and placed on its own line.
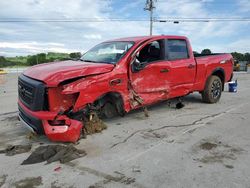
x=213 y=89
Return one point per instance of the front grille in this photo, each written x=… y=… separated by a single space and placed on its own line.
x=31 y=93
x=25 y=92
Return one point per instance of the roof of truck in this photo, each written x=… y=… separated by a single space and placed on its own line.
x=142 y=38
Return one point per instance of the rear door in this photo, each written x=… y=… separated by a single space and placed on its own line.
x=183 y=67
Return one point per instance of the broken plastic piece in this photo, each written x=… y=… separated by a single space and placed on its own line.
x=63 y=133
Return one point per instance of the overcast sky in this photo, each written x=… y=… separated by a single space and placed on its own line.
x=33 y=37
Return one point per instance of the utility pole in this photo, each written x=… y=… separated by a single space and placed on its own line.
x=149 y=7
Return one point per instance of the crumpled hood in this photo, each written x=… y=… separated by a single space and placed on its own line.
x=54 y=73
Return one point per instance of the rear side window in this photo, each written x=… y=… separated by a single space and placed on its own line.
x=176 y=49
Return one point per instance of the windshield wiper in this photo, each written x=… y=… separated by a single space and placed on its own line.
x=96 y=61
x=86 y=60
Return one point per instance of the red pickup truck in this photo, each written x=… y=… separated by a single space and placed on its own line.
x=115 y=77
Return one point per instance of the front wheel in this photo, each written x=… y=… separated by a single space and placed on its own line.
x=108 y=110
x=213 y=89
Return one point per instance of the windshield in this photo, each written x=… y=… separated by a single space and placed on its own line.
x=108 y=52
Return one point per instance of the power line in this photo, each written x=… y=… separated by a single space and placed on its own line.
x=71 y=20
x=178 y=20
x=158 y=19
x=200 y=1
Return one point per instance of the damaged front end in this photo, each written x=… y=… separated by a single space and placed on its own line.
x=63 y=127
x=47 y=110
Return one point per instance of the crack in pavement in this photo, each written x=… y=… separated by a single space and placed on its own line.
x=196 y=122
x=121 y=178
x=126 y=139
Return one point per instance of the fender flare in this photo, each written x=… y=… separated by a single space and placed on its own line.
x=218 y=69
x=222 y=77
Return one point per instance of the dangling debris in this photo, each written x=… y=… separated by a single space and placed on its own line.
x=52 y=153
x=176 y=103
x=16 y=149
x=145 y=109
x=135 y=99
x=94 y=125
x=179 y=105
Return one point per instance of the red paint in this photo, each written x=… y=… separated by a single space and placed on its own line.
x=44 y=115
x=63 y=133
x=70 y=132
x=63 y=102
x=157 y=81
x=54 y=73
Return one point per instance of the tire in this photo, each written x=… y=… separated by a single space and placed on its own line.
x=109 y=110
x=213 y=90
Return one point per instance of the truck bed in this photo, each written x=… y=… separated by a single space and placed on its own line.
x=208 y=63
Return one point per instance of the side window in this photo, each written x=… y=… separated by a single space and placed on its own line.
x=151 y=52
x=176 y=49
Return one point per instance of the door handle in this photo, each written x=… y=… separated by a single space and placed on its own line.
x=190 y=66
x=164 y=70
x=115 y=82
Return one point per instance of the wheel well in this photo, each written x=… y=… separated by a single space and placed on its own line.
x=221 y=75
x=113 y=97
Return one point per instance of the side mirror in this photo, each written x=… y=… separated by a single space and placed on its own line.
x=137 y=65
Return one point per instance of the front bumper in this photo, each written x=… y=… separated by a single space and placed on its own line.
x=38 y=121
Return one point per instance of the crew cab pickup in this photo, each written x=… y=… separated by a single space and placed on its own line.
x=116 y=76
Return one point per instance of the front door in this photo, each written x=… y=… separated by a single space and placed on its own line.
x=150 y=73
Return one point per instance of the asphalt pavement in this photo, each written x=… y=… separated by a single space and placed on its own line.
x=200 y=145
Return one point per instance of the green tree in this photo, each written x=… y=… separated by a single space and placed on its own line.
x=206 y=51
x=32 y=60
x=75 y=55
x=238 y=56
x=247 y=57
x=36 y=59
x=41 y=58
x=3 y=61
